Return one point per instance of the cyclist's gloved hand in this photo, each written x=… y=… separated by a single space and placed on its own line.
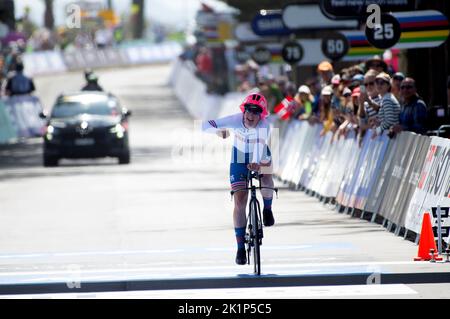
x=223 y=134
x=254 y=167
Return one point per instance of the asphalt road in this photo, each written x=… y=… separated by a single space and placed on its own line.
x=164 y=221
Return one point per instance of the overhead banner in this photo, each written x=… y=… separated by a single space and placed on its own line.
x=306 y=17
x=310 y=52
x=433 y=188
x=422 y=29
x=355 y=9
x=269 y=23
x=419 y=29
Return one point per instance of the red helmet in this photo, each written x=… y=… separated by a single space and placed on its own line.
x=256 y=99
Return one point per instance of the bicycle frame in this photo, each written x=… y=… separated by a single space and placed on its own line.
x=253 y=237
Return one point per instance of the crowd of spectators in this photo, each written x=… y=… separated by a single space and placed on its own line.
x=210 y=66
x=362 y=97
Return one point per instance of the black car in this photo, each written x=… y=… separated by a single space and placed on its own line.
x=86 y=125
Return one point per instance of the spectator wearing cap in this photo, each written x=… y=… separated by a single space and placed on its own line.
x=389 y=113
x=304 y=99
x=355 y=94
x=347 y=98
x=413 y=116
x=348 y=113
x=346 y=79
x=326 y=112
x=335 y=84
x=314 y=85
x=326 y=73
x=357 y=80
x=377 y=64
x=397 y=79
x=369 y=100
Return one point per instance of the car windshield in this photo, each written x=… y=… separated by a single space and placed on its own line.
x=69 y=107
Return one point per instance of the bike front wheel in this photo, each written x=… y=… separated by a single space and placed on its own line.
x=256 y=235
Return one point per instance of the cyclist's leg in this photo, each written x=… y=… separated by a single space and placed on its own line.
x=238 y=172
x=267 y=181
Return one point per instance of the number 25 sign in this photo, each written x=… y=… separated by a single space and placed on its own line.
x=386 y=34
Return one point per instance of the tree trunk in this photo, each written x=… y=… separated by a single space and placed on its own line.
x=138 y=19
x=7 y=13
x=49 y=19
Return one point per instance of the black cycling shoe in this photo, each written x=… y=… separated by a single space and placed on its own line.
x=268 y=219
x=241 y=256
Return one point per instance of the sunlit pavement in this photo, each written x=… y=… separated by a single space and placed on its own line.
x=160 y=218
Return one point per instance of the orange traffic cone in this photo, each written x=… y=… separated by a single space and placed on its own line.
x=427 y=243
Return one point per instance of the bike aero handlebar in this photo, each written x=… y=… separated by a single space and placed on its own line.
x=249 y=189
x=252 y=174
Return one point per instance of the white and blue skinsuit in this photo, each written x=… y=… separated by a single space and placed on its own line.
x=249 y=146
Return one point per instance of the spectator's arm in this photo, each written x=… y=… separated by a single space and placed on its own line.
x=391 y=115
x=32 y=87
x=374 y=105
x=420 y=118
x=8 y=87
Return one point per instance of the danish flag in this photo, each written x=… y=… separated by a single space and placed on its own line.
x=286 y=108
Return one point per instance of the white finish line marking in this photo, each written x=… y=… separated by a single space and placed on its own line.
x=190 y=268
x=122 y=272
x=236 y=293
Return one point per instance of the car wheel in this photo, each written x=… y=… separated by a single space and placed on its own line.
x=50 y=161
x=124 y=159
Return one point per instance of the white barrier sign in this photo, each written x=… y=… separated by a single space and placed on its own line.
x=433 y=188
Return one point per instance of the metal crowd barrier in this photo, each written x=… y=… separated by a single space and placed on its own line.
x=50 y=62
x=7 y=132
x=19 y=118
x=396 y=179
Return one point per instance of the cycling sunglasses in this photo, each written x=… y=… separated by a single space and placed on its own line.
x=254 y=109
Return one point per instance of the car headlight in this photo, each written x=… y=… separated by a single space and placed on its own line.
x=119 y=130
x=51 y=132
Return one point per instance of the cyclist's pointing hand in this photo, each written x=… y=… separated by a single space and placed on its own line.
x=223 y=134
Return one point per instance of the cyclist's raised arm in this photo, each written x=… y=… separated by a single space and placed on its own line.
x=228 y=122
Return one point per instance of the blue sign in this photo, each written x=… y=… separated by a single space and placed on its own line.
x=269 y=24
